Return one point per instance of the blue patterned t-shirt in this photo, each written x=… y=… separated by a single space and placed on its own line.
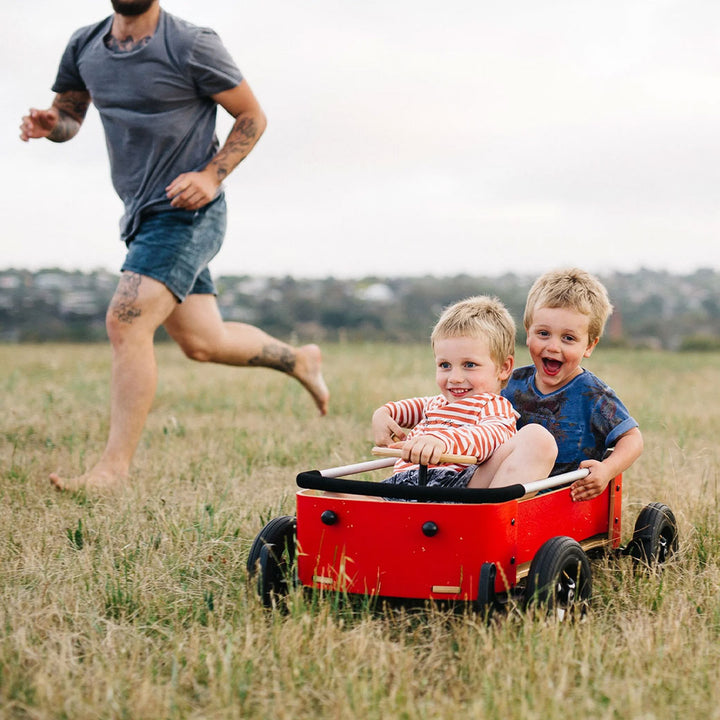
x=585 y=416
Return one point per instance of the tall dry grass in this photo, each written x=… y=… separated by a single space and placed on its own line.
x=138 y=606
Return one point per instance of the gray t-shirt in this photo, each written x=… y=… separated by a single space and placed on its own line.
x=154 y=103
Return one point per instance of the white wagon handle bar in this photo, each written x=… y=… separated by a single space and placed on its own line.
x=390 y=453
x=534 y=486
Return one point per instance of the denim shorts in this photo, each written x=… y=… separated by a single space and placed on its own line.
x=436 y=477
x=174 y=247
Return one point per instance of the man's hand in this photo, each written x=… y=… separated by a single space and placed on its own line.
x=61 y=121
x=192 y=190
x=38 y=123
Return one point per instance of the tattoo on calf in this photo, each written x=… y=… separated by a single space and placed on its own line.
x=123 y=302
x=275 y=357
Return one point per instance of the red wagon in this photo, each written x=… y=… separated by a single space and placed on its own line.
x=527 y=541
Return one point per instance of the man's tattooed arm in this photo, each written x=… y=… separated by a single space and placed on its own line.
x=71 y=108
x=239 y=143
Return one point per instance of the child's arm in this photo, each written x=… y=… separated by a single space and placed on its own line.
x=389 y=419
x=627 y=450
x=479 y=440
x=494 y=423
x=384 y=428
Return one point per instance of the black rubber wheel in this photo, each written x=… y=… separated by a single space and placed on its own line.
x=486 y=601
x=559 y=578
x=271 y=557
x=655 y=537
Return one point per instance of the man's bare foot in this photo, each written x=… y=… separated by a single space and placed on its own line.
x=96 y=480
x=308 y=371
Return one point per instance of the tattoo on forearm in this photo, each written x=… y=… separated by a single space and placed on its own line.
x=124 y=306
x=275 y=357
x=73 y=104
x=65 y=129
x=240 y=142
x=245 y=127
x=72 y=108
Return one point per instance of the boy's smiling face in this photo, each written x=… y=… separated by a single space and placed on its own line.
x=464 y=367
x=558 y=340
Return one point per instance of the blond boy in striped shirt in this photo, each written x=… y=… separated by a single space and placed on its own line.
x=474 y=345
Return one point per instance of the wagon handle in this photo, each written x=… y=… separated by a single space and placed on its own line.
x=445 y=458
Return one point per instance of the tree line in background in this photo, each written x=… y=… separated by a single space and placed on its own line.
x=653 y=309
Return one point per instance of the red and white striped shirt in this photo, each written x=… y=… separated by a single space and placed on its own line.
x=475 y=425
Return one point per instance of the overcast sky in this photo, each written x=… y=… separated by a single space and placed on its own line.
x=412 y=136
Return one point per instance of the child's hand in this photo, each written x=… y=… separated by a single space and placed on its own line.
x=593 y=484
x=385 y=430
x=423 y=449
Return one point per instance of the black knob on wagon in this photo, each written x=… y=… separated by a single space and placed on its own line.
x=329 y=517
x=429 y=528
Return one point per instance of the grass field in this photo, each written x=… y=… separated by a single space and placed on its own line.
x=138 y=606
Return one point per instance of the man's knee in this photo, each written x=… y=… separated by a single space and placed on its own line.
x=137 y=308
x=194 y=346
x=119 y=323
x=196 y=351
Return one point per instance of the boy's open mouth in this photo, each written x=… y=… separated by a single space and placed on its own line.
x=552 y=367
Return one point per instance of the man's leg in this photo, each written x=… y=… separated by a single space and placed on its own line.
x=139 y=306
x=529 y=455
x=198 y=328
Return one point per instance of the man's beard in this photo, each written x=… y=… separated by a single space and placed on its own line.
x=130 y=8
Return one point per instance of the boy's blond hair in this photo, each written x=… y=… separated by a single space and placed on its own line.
x=573 y=289
x=479 y=316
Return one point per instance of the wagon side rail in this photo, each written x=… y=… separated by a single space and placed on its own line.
x=333 y=480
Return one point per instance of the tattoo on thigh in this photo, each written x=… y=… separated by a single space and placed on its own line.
x=275 y=357
x=124 y=306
